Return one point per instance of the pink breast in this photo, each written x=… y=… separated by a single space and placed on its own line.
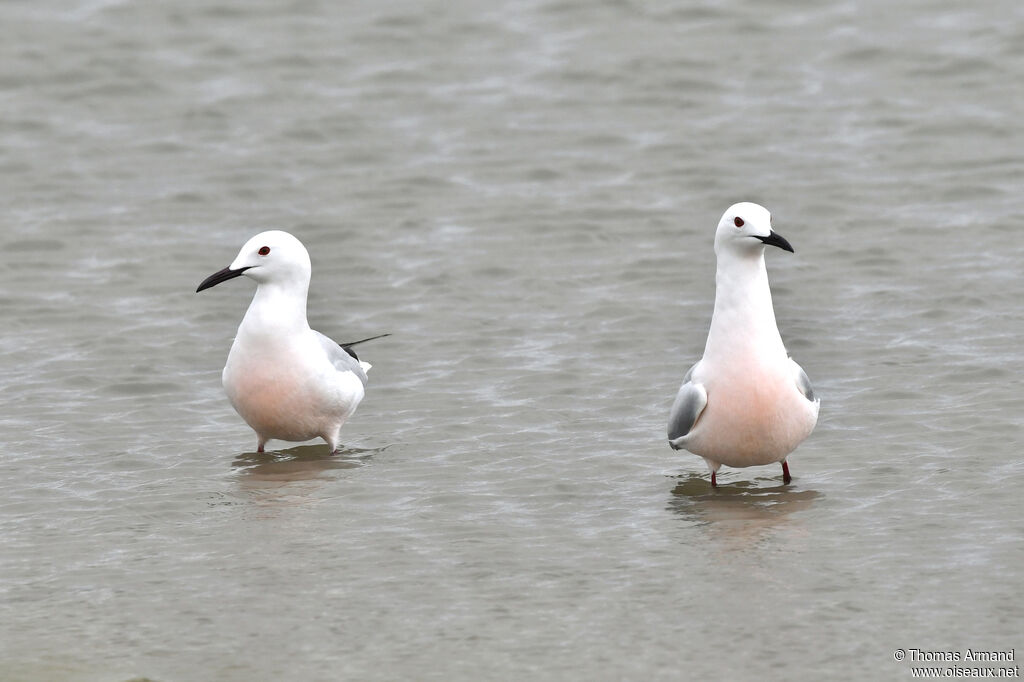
x=749 y=420
x=275 y=406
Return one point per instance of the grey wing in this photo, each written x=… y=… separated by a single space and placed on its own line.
x=803 y=384
x=341 y=360
x=690 y=402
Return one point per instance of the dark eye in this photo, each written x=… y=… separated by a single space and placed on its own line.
x=265 y=250
x=738 y=221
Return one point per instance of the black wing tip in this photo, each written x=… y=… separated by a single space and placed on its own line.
x=347 y=347
x=371 y=338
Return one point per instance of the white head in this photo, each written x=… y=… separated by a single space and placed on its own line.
x=273 y=257
x=745 y=229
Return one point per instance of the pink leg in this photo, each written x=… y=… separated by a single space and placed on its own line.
x=786 y=478
x=714 y=483
x=259 y=448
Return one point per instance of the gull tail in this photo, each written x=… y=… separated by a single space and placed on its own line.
x=347 y=347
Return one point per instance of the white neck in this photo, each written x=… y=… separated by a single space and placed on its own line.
x=276 y=308
x=744 y=318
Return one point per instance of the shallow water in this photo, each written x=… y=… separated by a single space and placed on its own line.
x=525 y=198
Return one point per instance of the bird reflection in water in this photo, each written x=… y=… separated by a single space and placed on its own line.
x=275 y=469
x=740 y=513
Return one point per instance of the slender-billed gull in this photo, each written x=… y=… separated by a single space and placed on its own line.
x=287 y=381
x=746 y=402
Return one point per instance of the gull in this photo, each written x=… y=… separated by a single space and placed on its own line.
x=287 y=381
x=746 y=402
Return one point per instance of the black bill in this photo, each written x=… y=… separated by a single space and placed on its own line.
x=220 y=276
x=775 y=239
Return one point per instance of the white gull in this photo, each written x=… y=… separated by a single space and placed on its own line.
x=287 y=381
x=746 y=402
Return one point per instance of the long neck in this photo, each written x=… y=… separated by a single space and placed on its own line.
x=276 y=308
x=744 y=317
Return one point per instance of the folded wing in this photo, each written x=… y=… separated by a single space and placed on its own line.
x=340 y=358
x=690 y=402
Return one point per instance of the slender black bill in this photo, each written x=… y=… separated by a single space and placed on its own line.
x=220 y=276
x=776 y=239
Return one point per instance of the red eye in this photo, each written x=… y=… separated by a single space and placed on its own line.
x=265 y=250
x=737 y=221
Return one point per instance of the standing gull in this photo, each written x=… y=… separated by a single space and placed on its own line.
x=746 y=402
x=286 y=380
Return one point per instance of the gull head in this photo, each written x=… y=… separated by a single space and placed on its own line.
x=272 y=257
x=746 y=229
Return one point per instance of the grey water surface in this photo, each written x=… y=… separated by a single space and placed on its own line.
x=524 y=194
